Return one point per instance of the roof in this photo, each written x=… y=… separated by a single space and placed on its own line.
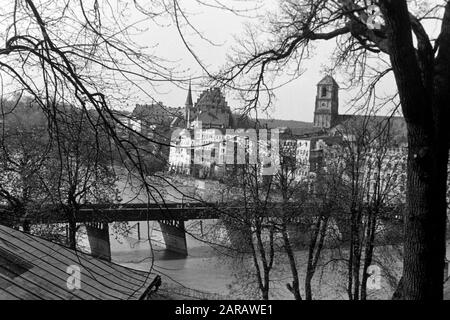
x=328 y=80
x=296 y=128
x=355 y=123
x=32 y=268
x=211 y=97
x=156 y=113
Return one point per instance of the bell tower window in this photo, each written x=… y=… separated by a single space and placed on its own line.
x=324 y=92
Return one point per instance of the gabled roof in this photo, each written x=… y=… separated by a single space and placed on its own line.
x=32 y=268
x=328 y=80
x=212 y=97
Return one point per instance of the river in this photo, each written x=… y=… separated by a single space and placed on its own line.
x=208 y=270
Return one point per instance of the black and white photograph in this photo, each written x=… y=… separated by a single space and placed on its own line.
x=224 y=155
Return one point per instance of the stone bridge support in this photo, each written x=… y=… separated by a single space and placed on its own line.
x=238 y=236
x=98 y=236
x=174 y=235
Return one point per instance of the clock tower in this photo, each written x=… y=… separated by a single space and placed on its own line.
x=327 y=103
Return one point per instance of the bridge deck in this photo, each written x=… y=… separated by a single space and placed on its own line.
x=124 y=212
x=144 y=213
x=138 y=212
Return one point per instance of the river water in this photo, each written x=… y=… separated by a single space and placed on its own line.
x=208 y=269
x=205 y=268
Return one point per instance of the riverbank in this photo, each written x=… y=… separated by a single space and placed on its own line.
x=171 y=291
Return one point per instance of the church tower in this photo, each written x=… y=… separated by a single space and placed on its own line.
x=189 y=105
x=327 y=103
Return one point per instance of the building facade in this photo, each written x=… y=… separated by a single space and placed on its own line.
x=210 y=146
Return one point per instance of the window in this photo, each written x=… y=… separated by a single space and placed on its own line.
x=324 y=92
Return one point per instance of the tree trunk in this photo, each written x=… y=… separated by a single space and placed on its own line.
x=295 y=286
x=423 y=80
x=368 y=254
x=72 y=239
x=26 y=226
x=261 y=282
x=308 y=287
x=72 y=230
x=425 y=222
x=315 y=251
x=265 y=289
x=20 y=212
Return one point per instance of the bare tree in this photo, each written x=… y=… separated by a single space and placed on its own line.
x=286 y=181
x=328 y=203
x=396 y=38
x=83 y=55
x=25 y=148
x=372 y=156
x=83 y=167
x=291 y=212
x=77 y=53
x=252 y=231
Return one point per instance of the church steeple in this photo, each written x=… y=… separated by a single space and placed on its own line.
x=327 y=103
x=189 y=97
x=188 y=106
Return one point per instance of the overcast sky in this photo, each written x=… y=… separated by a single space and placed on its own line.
x=295 y=101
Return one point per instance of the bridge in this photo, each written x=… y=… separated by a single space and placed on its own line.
x=95 y=217
x=170 y=216
x=131 y=212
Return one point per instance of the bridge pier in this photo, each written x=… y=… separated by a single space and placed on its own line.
x=98 y=236
x=174 y=235
x=238 y=236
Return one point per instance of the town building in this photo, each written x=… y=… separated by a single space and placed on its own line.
x=212 y=142
x=211 y=109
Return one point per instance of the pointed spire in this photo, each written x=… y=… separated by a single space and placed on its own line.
x=188 y=106
x=189 y=97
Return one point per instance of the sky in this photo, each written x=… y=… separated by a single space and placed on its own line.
x=295 y=101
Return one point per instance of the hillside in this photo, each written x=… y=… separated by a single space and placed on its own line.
x=275 y=123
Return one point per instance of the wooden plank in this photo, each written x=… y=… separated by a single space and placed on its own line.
x=44 y=274
x=103 y=286
x=55 y=271
x=22 y=293
x=4 y=295
x=121 y=274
